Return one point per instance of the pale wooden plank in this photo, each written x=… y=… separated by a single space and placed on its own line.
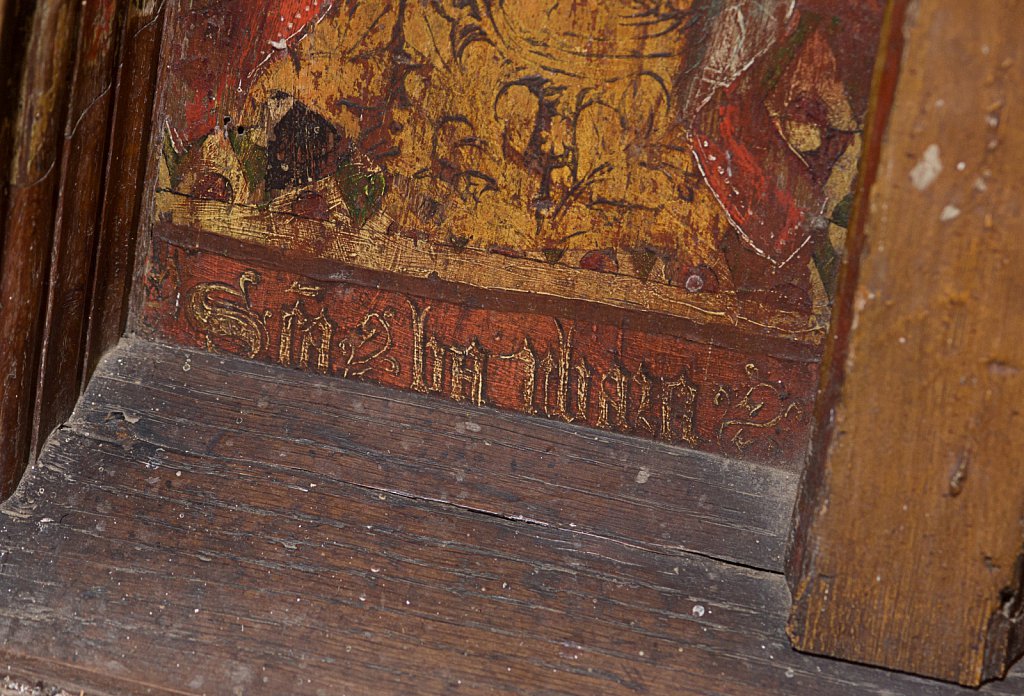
x=909 y=549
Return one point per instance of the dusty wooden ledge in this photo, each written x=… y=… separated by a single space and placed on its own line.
x=653 y=495
x=209 y=525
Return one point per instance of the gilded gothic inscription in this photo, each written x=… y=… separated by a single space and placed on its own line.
x=555 y=368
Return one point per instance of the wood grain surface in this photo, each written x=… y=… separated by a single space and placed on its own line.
x=652 y=495
x=81 y=82
x=129 y=179
x=908 y=544
x=30 y=185
x=170 y=559
x=84 y=145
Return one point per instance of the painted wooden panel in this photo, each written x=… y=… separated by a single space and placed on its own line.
x=688 y=160
x=602 y=374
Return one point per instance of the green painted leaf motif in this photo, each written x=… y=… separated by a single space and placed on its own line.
x=251 y=156
x=841 y=213
x=362 y=189
x=172 y=158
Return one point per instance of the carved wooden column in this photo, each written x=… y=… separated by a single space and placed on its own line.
x=73 y=155
x=30 y=153
x=907 y=549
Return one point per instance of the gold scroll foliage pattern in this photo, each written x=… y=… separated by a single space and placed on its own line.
x=554 y=380
x=554 y=131
x=546 y=126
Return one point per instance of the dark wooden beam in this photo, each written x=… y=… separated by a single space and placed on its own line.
x=130 y=177
x=907 y=546
x=32 y=173
x=73 y=148
x=83 y=146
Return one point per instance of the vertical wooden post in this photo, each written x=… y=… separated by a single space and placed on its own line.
x=130 y=165
x=74 y=151
x=907 y=549
x=31 y=179
x=83 y=148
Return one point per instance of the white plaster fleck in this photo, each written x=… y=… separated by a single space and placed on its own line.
x=698 y=610
x=950 y=212
x=643 y=475
x=927 y=169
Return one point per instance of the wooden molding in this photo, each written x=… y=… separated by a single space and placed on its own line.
x=31 y=178
x=83 y=145
x=907 y=543
x=73 y=147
